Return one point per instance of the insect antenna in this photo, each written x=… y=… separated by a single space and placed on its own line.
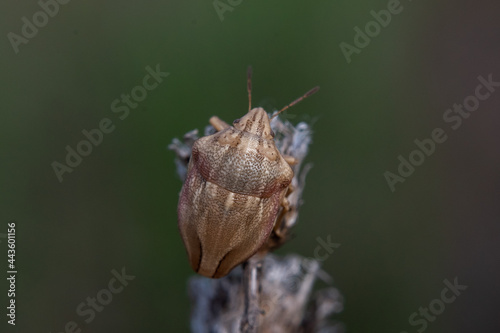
x=307 y=94
x=249 y=87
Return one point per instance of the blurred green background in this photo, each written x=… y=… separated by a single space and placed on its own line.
x=118 y=207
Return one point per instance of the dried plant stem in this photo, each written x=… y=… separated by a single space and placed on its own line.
x=266 y=293
x=251 y=289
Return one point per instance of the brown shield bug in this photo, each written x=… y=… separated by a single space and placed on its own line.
x=236 y=184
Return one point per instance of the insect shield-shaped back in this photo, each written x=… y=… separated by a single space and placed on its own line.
x=235 y=184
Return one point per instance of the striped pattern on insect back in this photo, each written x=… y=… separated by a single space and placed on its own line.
x=221 y=228
x=230 y=200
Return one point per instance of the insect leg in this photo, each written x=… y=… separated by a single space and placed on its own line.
x=218 y=123
x=290 y=159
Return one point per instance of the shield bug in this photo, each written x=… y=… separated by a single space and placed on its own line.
x=236 y=185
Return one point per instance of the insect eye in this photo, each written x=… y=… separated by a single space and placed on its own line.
x=236 y=121
x=272 y=133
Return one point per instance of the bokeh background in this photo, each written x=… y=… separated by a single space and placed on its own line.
x=118 y=207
